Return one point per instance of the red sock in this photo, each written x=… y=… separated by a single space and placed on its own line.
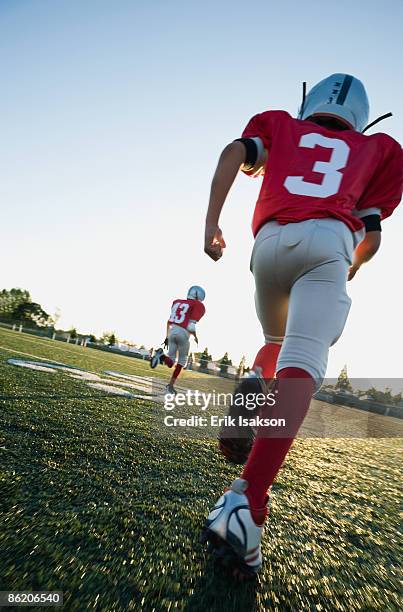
x=167 y=360
x=295 y=389
x=176 y=373
x=267 y=359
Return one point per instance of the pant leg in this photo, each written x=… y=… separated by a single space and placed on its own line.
x=271 y=297
x=319 y=304
x=172 y=344
x=178 y=345
x=183 y=344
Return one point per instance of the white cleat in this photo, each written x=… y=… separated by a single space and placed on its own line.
x=156 y=358
x=232 y=533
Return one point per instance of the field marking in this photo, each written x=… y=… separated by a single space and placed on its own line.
x=62 y=348
x=33 y=365
x=4 y=348
x=84 y=372
x=92 y=379
x=42 y=341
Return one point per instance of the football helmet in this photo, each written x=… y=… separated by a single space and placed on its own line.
x=196 y=293
x=341 y=96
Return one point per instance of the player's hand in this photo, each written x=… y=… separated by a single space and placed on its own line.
x=353 y=271
x=165 y=343
x=214 y=242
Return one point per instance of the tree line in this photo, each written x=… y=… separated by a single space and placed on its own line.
x=16 y=305
x=382 y=397
x=224 y=363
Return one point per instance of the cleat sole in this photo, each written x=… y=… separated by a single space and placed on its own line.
x=227 y=557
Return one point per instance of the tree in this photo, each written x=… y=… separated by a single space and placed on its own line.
x=204 y=359
x=73 y=333
x=31 y=313
x=10 y=300
x=383 y=397
x=92 y=338
x=343 y=382
x=109 y=338
x=397 y=398
x=224 y=363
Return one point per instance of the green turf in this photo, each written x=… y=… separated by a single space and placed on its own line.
x=94 y=503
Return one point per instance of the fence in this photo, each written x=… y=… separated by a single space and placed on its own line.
x=49 y=333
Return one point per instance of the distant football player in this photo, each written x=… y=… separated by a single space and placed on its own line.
x=180 y=326
x=326 y=190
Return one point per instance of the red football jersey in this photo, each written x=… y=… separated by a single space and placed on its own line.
x=184 y=311
x=313 y=172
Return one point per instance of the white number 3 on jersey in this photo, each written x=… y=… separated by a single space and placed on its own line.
x=330 y=169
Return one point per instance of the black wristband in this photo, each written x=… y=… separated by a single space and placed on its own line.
x=372 y=223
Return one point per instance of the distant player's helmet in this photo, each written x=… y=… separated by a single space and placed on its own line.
x=341 y=96
x=196 y=293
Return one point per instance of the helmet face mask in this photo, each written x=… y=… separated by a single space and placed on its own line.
x=196 y=293
x=340 y=96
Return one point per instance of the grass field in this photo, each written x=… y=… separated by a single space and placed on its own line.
x=94 y=503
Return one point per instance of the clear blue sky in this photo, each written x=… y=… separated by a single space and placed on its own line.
x=112 y=117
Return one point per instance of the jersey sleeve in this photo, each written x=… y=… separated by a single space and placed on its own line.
x=384 y=190
x=260 y=129
x=197 y=312
x=259 y=126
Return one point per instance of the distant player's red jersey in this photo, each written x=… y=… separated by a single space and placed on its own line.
x=184 y=311
x=313 y=172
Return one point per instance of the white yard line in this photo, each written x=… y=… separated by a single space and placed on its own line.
x=4 y=348
x=59 y=348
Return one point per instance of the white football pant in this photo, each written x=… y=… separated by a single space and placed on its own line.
x=178 y=344
x=300 y=272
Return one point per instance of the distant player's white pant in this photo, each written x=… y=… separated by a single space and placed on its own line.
x=178 y=344
x=300 y=272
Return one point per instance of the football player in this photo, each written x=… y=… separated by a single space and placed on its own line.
x=326 y=190
x=180 y=326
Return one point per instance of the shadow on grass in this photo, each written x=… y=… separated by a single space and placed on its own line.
x=217 y=590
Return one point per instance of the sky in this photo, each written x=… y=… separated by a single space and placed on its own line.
x=113 y=116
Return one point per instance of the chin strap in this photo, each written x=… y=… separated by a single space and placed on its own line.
x=303 y=98
x=381 y=118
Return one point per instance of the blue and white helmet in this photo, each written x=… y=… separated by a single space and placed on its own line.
x=196 y=293
x=341 y=96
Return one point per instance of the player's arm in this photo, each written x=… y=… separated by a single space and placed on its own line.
x=231 y=159
x=198 y=311
x=247 y=154
x=193 y=333
x=369 y=246
x=378 y=202
x=192 y=330
x=165 y=343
